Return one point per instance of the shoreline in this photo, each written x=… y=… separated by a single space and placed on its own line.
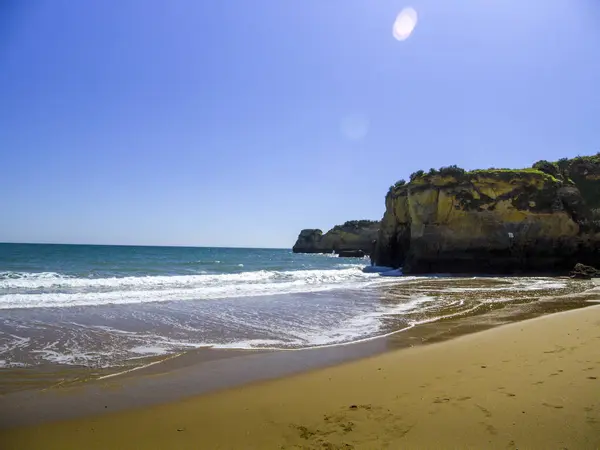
x=395 y=331
x=206 y=370
x=529 y=384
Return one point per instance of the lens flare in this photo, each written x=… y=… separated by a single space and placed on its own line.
x=405 y=24
x=355 y=126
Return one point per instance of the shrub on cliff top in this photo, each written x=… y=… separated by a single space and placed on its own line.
x=398 y=184
x=563 y=164
x=567 y=167
x=541 y=163
x=546 y=167
x=357 y=223
x=417 y=174
x=448 y=171
x=452 y=171
x=592 y=158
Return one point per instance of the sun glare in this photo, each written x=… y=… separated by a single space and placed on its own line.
x=404 y=24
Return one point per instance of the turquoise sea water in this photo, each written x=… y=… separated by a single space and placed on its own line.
x=73 y=275
x=109 y=305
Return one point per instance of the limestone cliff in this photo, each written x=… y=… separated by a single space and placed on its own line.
x=352 y=235
x=543 y=219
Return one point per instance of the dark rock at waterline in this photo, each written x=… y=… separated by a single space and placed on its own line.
x=351 y=254
x=585 y=272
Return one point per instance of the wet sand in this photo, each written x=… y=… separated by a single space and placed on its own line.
x=41 y=394
x=530 y=384
x=58 y=347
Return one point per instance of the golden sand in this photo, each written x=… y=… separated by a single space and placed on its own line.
x=528 y=385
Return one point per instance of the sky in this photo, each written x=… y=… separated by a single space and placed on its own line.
x=238 y=123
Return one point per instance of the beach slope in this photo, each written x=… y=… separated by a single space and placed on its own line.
x=532 y=384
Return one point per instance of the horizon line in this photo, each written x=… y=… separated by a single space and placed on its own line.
x=147 y=245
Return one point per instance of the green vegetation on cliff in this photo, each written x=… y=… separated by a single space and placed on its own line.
x=397 y=185
x=455 y=176
x=583 y=171
x=356 y=224
x=542 y=218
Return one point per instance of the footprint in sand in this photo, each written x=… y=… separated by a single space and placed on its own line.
x=553 y=406
x=337 y=426
x=489 y=428
x=485 y=411
x=347 y=427
x=557 y=349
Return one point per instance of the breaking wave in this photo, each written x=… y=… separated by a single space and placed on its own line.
x=49 y=289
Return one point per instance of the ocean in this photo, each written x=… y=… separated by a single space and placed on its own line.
x=110 y=306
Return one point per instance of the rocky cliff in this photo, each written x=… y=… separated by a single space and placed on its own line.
x=543 y=219
x=352 y=235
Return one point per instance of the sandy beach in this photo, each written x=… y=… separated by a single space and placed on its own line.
x=531 y=384
x=321 y=225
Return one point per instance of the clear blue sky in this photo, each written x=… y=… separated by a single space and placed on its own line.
x=219 y=122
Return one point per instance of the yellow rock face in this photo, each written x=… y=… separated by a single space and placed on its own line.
x=492 y=211
x=439 y=205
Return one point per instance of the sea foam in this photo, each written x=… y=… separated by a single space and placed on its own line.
x=29 y=290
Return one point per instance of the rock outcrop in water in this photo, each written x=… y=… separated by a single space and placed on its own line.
x=544 y=219
x=353 y=238
x=584 y=272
